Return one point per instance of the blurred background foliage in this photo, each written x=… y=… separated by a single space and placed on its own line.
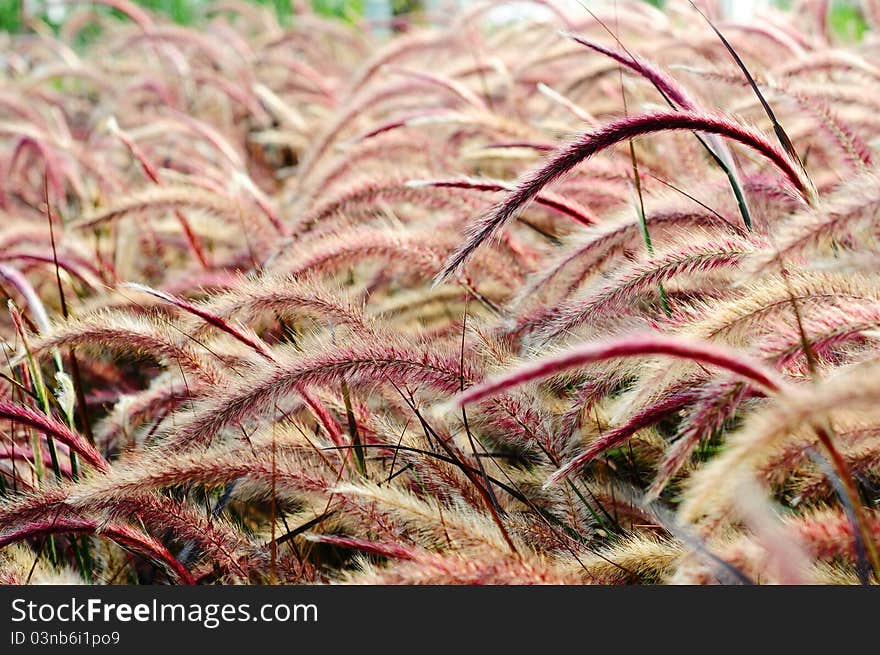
x=845 y=16
x=184 y=12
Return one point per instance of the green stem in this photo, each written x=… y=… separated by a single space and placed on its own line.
x=640 y=210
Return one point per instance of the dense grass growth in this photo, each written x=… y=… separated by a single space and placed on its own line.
x=589 y=300
x=184 y=12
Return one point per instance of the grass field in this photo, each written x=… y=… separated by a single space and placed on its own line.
x=589 y=297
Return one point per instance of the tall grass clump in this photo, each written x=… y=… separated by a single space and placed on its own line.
x=592 y=298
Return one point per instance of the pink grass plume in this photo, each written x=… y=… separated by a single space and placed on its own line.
x=593 y=142
x=53 y=428
x=636 y=345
